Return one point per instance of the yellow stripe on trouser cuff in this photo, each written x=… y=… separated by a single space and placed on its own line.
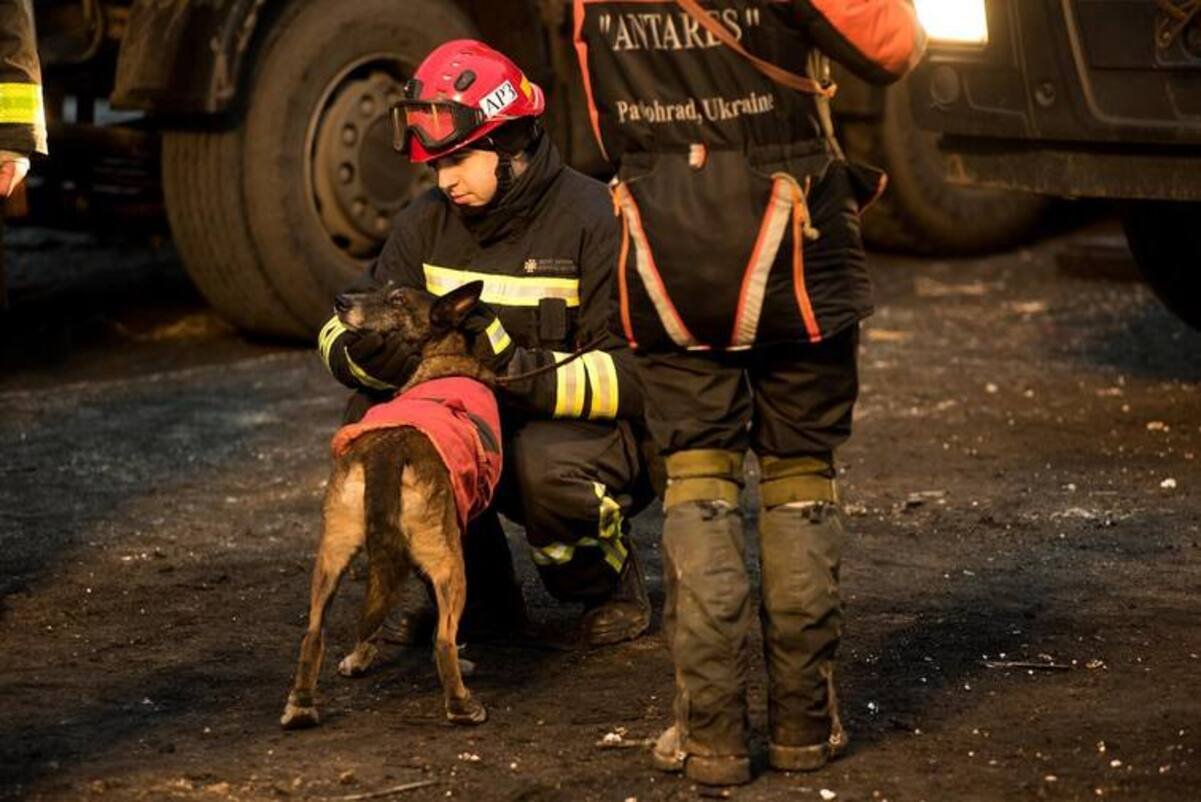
x=21 y=104
x=602 y=380
x=703 y=475
x=570 y=387
x=503 y=290
x=608 y=540
x=498 y=338
x=797 y=479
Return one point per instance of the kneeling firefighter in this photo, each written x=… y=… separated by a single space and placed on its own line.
x=544 y=241
x=741 y=286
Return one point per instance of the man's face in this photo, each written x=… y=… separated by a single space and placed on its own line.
x=468 y=177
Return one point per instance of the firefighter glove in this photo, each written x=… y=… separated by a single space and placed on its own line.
x=492 y=344
x=378 y=361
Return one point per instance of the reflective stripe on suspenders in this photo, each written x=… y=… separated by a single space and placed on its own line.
x=788 y=202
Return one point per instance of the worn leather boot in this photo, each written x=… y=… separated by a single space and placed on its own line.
x=706 y=617
x=800 y=548
x=623 y=616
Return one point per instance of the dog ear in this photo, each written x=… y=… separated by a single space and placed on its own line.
x=452 y=309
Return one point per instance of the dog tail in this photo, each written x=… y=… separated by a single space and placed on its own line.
x=383 y=469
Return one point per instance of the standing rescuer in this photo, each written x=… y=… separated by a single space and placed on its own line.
x=741 y=284
x=544 y=241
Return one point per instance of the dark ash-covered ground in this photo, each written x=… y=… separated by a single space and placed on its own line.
x=1022 y=487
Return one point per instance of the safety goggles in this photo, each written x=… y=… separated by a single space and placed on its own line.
x=437 y=124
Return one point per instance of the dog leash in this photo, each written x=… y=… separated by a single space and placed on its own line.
x=573 y=356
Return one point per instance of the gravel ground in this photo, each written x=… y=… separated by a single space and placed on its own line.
x=1022 y=575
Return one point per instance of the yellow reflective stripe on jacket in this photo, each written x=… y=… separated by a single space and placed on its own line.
x=570 y=387
x=21 y=104
x=503 y=290
x=602 y=381
x=498 y=338
x=330 y=332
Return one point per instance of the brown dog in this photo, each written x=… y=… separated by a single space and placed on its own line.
x=391 y=491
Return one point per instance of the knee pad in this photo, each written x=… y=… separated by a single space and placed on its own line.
x=703 y=475
x=797 y=480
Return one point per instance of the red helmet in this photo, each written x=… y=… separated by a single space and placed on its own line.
x=463 y=91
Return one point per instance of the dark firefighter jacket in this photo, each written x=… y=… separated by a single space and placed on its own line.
x=546 y=255
x=740 y=224
x=22 y=120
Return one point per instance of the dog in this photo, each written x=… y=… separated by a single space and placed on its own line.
x=392 y=491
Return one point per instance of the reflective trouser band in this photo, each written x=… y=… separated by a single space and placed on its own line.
x=570 y=387
x=615 y=552
x=21 y=104
x=797 y=479
x=602 y=382
x=330 y=332
x=498 y=338
x=503 y=290
x=608 y=536
x=703 y=475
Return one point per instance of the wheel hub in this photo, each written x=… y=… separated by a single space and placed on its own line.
x=359 y=181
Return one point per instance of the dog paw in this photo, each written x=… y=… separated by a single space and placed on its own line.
x=296 y=717
x=466 y=711
x=357 y=662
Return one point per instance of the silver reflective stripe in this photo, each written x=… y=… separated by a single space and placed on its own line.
x=570 y=387
x=644 y=261
x=767 y=247
x=602 y=380
x=504 y=290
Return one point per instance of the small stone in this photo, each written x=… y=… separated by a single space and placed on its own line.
x=1051 y=778
x=827 y=794
x=991 y=388
x=1168 y=484
x=1115 y=763
x=347 y=777
x=470 y=757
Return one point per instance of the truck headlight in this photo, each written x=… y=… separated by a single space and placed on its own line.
x=962 y=22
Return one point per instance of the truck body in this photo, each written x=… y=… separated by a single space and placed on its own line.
x=262 y=127
x=1080 y=98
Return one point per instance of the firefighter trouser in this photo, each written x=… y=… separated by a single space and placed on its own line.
x=573 y=485
x=791 y=405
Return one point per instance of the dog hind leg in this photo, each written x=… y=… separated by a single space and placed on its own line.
x=385 y=585
x=342 y=537
x=431 y=527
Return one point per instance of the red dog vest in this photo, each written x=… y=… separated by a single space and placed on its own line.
x=461 y=419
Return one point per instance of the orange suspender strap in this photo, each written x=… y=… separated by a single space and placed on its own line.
x=775 y=72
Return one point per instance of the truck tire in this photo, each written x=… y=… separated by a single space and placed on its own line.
x=281 y=213
x=1166 y=244
x=921 y=212
x=207 y=213
x=322 y=180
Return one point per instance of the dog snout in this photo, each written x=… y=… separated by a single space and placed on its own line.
x=343 y=304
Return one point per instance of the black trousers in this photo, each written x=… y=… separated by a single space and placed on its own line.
x=788 y=400
x=573 y=485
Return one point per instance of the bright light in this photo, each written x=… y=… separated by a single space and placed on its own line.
x=959 y=21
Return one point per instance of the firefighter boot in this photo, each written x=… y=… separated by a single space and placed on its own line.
x=624 y=615
x=801 y=534
x=495 y=604
x=706 y=619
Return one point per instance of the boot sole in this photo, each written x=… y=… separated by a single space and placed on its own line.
x=798 y=758
x=705 y=770
x=718 y=770
x=807 y=758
